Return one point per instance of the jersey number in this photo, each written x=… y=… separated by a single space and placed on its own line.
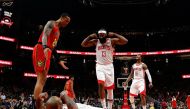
x=103 y=53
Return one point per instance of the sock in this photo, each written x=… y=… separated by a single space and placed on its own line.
x=110 y=98
x=144 y=106
x=103 y=102
x=133 y=105
x=110 y=103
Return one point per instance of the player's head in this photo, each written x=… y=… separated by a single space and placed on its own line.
x=64 y=19
x=72 y=77
x=102 y=33
x=54 y=102
x=138 y=57
x=125 y=67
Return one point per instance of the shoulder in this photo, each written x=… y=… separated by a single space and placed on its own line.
x=50 y=23
x=133 y=65
x=143 y=64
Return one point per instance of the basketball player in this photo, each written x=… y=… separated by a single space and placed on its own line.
x=138 y=84
x=69 y=88
x=105 y=43
x=54 y=102
x=188 y=101
x=44 y=49
x=174 y=101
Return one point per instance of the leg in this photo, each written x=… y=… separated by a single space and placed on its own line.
x=142 y=91
x=143 y=100
x=109 y=84
x=101 y=92
x=132 y=101
x=41 y=79
x=41 y=66
x=110 y=98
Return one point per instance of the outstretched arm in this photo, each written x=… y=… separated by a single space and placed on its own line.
x=57 y=59
x=65 y=99
x=89 y=41
x=40 y=100
x=119 y=40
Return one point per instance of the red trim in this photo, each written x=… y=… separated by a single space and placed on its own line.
x=110 y=87
x=143 y=92
x=100 y=81
x=133 y=95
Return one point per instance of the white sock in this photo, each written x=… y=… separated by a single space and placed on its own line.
x=144 y=106
x=133 y=105
x=110 y=103
x=110 y=98
x=103 y=102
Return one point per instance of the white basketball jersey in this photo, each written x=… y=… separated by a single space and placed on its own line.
x=104 y=52
x=139 y=73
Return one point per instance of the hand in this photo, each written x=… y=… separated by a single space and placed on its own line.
x=46 y=51
x=64 y=92
x=63 y=65
x=125 y=83
x=111 y=34
x=150 y=85
x=43 y=96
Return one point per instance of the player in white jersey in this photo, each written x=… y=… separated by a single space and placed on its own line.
x=104 y=43
x=138 y=84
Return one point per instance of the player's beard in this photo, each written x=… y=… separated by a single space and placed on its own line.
x=102 y=40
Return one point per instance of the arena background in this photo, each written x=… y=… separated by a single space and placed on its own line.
x=149 y=25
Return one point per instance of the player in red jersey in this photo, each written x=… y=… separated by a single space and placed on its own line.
x=188 y=102
x=69 y=88
x=44 y=50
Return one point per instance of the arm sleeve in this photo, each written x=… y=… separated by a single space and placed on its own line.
x=148 y=75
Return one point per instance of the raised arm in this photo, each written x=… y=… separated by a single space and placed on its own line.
x=40 y=100
x=89 y=41
x=69 y=102
x=117 y=39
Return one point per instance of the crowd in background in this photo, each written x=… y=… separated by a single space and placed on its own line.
x=13 y=97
